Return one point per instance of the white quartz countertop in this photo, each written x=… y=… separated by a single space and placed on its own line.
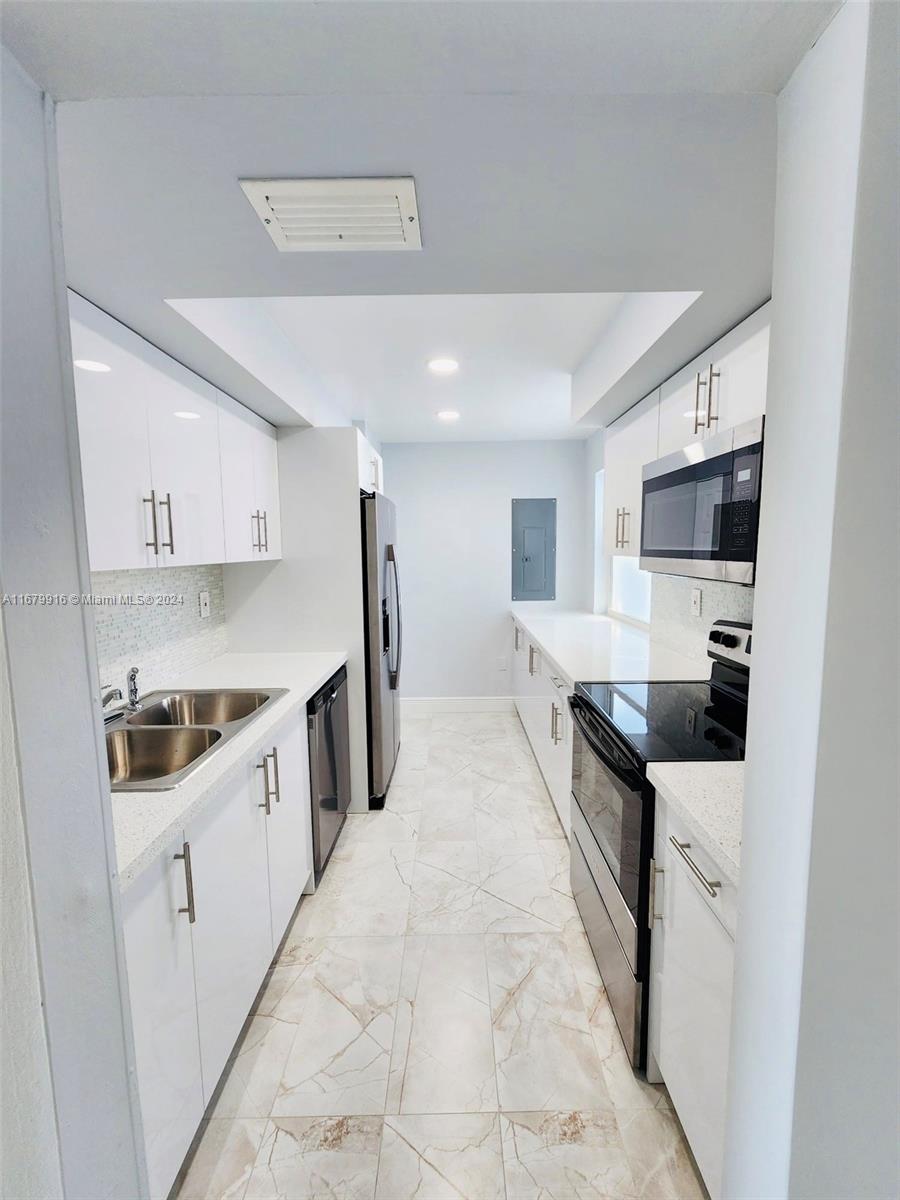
x=145 y=823
x=709 y=799
x=585 y=647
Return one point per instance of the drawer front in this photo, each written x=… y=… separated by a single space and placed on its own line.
x=688 y=854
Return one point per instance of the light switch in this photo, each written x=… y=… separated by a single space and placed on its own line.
x=204 y=605
x=696 y=601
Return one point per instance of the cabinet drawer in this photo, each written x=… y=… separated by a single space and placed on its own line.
x=671 y=857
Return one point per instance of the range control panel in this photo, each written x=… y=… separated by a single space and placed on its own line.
x=731 y=642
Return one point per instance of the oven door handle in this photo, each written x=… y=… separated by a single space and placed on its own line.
x=611 y=756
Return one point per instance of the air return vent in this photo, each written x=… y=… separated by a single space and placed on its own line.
x=337 y=214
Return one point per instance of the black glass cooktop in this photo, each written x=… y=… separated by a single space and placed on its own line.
x=665 y=722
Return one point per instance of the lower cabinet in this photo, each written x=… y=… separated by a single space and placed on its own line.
x=201 y=925
x=542 y=702
x=163 y=1015
x=692 y=970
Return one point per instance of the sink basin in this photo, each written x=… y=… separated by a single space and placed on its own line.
x=158 y=757
x=200 y=708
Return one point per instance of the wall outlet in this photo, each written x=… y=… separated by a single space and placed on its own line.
x=696 y=601
x=502 y=664
x=204 y=605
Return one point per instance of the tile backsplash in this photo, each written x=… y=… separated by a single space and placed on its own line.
x=671 y=620
x=163 y=636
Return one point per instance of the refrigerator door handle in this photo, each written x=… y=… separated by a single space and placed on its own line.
x=395 y=673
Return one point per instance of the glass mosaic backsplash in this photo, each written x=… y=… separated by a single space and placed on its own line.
x=152 y=621
x=671 y=620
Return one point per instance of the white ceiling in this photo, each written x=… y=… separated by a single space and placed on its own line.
x=539 y=166
x=86 y=50
x=369 y=356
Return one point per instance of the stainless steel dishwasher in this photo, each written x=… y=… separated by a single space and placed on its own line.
x=329 y=766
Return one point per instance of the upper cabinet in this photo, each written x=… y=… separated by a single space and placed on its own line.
x=249 y=484
x=371 y=467
x=631 y=441
x=174 y=473
x=722 y=387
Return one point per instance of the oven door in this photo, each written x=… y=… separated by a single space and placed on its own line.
x=609 y=814
x=700 y=508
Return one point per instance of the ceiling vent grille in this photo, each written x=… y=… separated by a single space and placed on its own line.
x=337 y=214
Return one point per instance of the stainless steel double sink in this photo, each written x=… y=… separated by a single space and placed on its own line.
x=173 y=733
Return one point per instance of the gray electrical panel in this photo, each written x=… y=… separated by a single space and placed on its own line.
x=534 y=549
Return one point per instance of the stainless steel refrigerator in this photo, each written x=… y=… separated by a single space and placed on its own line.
x=384 y=640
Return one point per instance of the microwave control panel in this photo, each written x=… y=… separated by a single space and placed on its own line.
x=744 y=497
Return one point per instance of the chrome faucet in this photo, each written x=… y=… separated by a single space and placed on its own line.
x=134 y=701
x=108 y=694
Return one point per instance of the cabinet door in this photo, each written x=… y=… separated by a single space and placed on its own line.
x=285 y=774
x=232 y=934
x=265 y=475
x=114 y=443
x=236 y=449
x=682 y=407
x=164 y=1016
x=369 y=465
x=183 y=419
x=632 y=441
x=740 y=372
x=694 y=1019
x=559 y=766
x=519 y=668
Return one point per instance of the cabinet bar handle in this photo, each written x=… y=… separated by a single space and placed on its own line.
x=618 y=535
x=265 y=535
x=516 y=637
x=152 y=502
x=170 y=544
x=274 y=758
x=531 y=660
x=257 y=542
x=185 y=856
x=626 y=512
x=267 y=802
x=709 y=884
x=652 y=914
x=698 y=424
x=710 y=416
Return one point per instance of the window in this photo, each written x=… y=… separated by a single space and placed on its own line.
x=630 y=592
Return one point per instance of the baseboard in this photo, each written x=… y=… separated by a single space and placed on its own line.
x=426 y=706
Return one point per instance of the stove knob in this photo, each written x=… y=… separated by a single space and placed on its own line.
x=716 y=635
x=730 y=640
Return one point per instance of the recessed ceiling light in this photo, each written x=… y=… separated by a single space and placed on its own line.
x=187 y=416
x=88 y=364
x=448 y=414
x=443 y=366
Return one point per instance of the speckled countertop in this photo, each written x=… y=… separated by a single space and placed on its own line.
x=145 y=823
x=709 y=798
x=586 y=646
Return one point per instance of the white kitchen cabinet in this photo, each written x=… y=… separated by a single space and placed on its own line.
x=737 y=367
x=631 y=442
x=232 y=933
x=558 y=766
x=115 y=447
x=183 y=425
x=160 y=962
x=285 y=779
x=692 y=968
x=542 y=702
x=249 y=456
x=370 y=465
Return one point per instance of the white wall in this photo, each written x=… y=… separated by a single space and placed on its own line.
x=65 y=805
x=312 y=599
x=813 y=1087
x=454 y=529
x=594 y=564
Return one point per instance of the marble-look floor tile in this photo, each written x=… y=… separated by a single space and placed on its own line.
x=516 y=896
x=448 y=755
x=660 y=1162
x=317 y=1158
x=446 y=893
x=448 y=811
x=365 y=890
x=223 y=1160
x=389 y=825
x=447 y=1157
x=503 y=813
x=442 y=1059
x=626 y=1089
x=543 y=814
x=545 y=1055
x=406 y=797
x=564 y=1156
x=340 y=1058
x=251 y=1080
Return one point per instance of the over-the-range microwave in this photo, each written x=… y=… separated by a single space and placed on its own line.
x=700 y=507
